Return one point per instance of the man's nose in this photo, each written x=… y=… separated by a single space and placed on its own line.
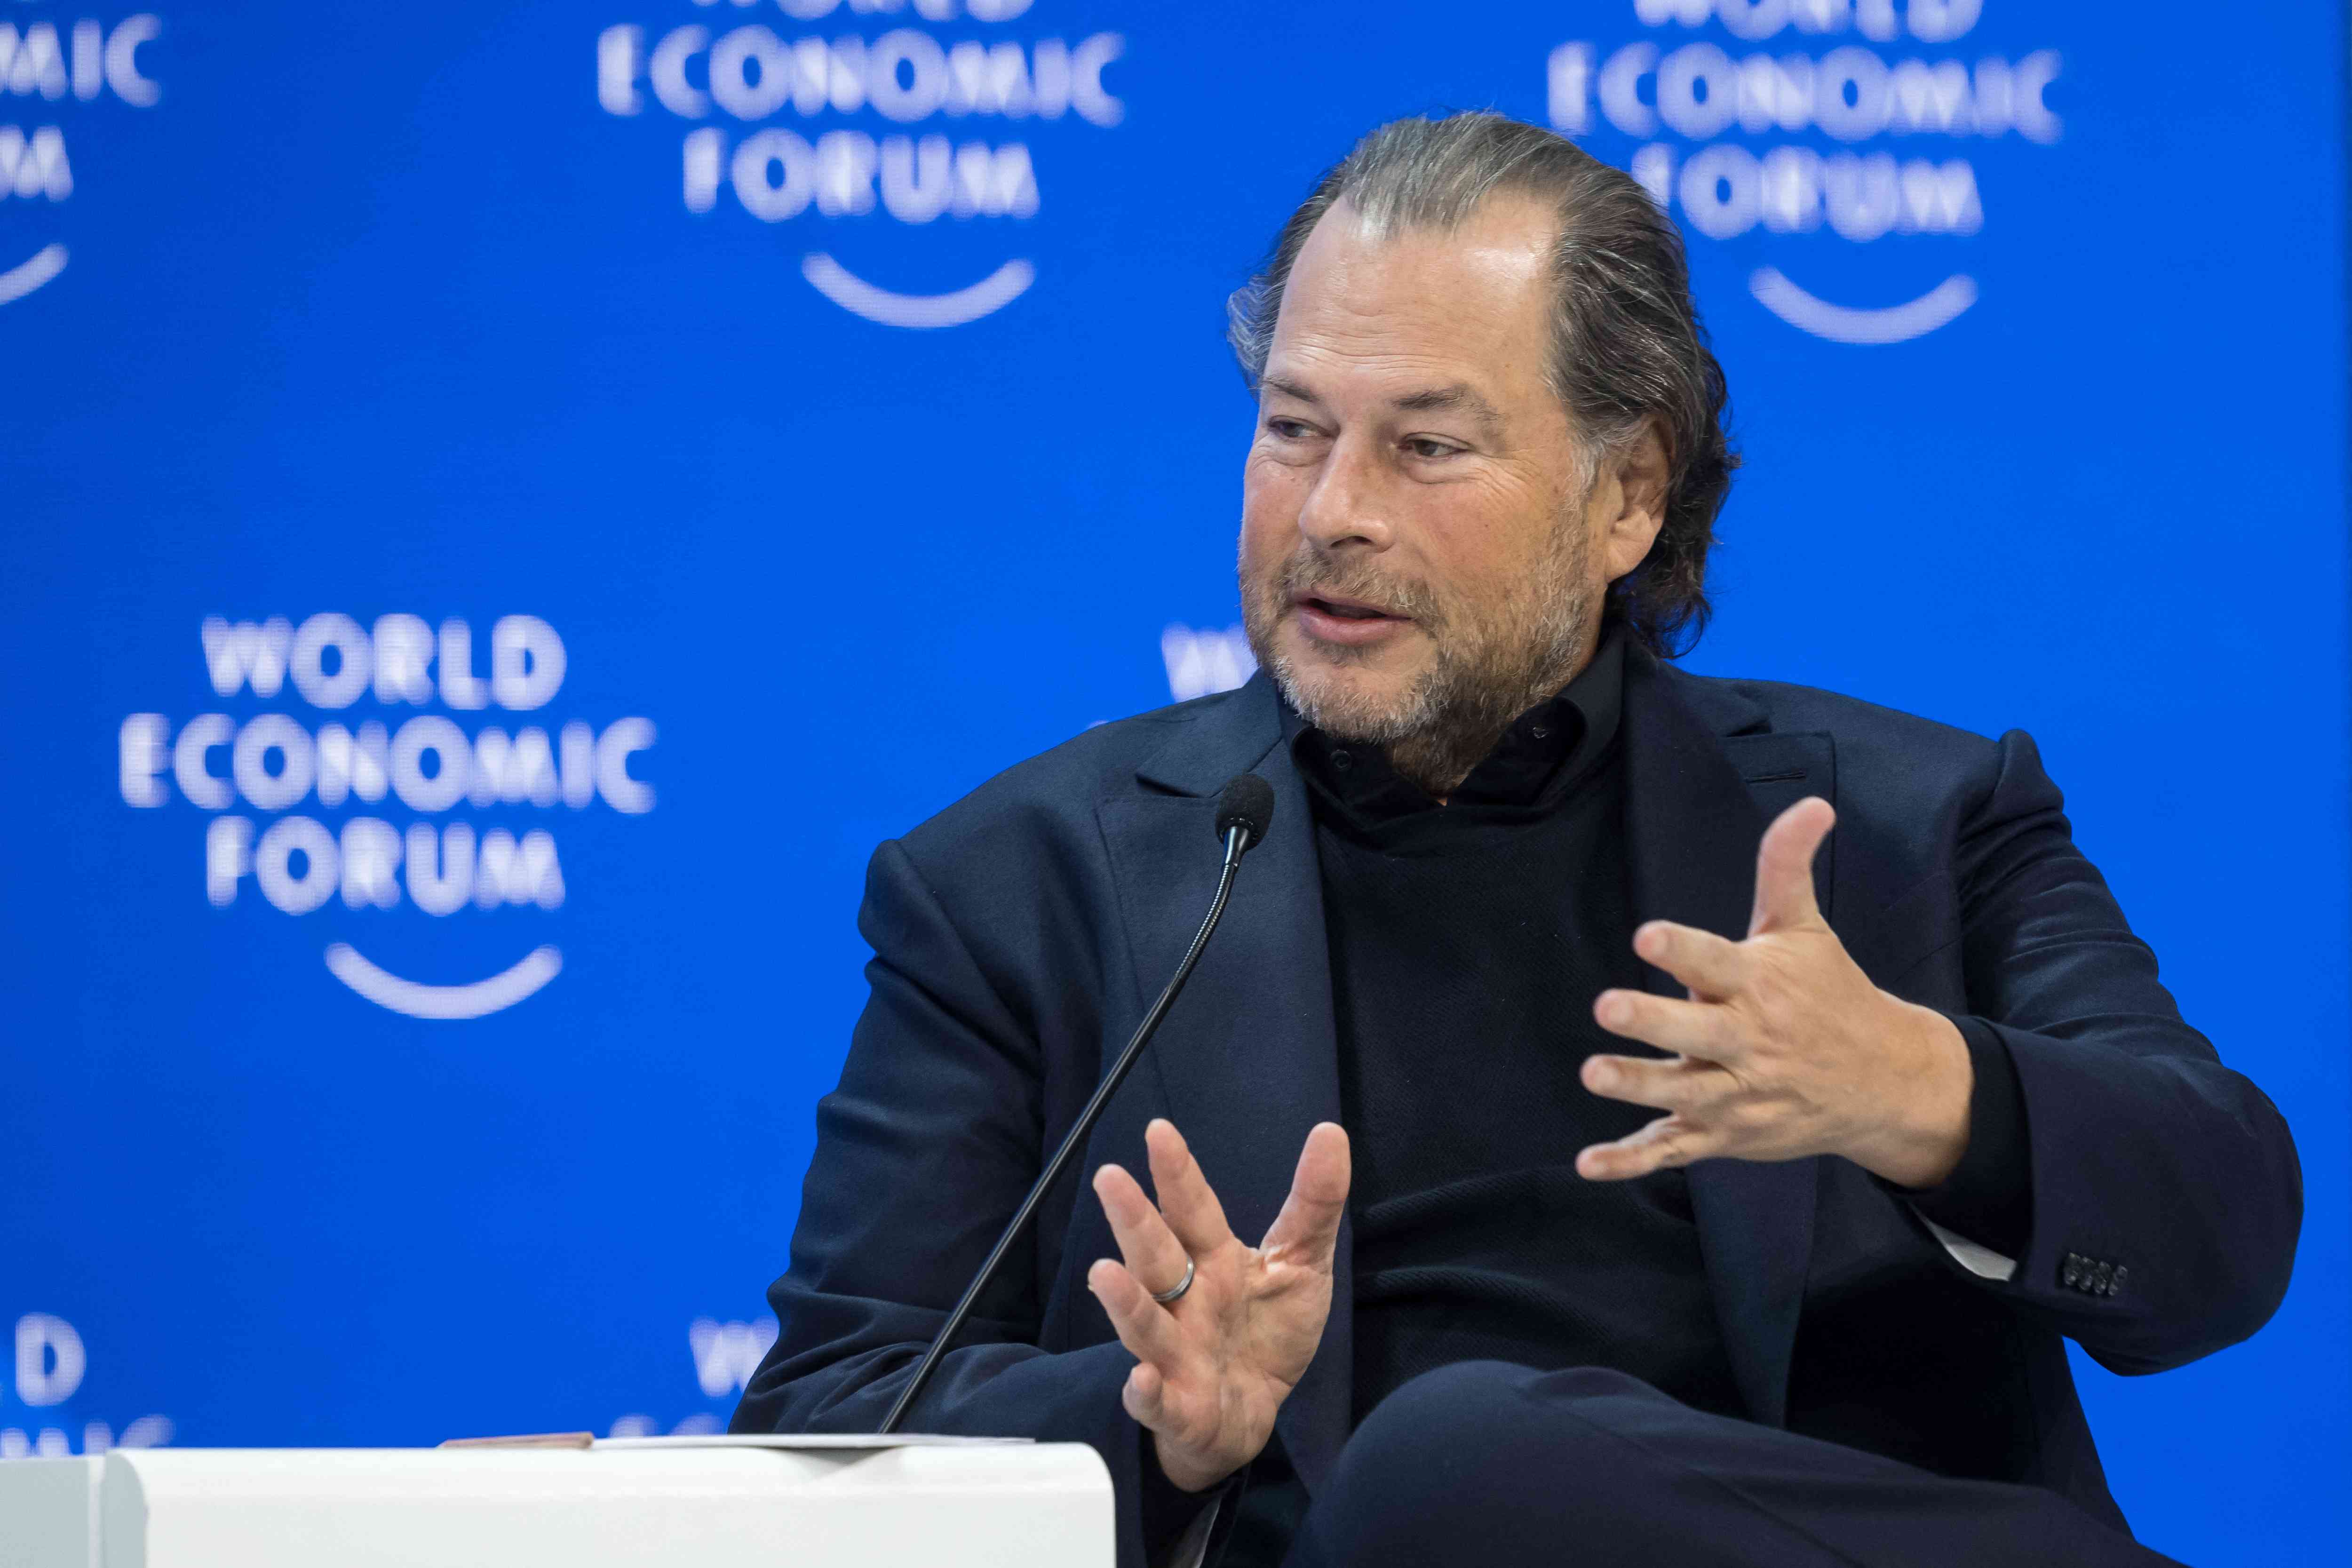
x=1350 y=501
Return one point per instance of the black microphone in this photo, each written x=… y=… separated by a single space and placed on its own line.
x=1246 y=805
x=1244 y=811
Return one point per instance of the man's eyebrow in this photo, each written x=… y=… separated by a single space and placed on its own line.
x=1289 y=389
x=1461 y=395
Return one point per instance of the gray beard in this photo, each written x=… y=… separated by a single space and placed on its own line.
x=1487 y=670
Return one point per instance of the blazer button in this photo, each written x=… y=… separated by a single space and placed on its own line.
x=2116 y=1282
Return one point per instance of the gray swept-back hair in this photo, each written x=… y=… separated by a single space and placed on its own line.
x=1628 y=349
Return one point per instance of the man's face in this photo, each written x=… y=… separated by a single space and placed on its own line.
x=1422 y=558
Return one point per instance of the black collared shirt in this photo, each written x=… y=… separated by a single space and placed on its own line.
x=1469 y=940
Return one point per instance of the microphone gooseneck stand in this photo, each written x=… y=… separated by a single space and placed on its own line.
x=1243 y=813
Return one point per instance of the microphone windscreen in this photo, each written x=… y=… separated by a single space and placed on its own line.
x=1246 y=801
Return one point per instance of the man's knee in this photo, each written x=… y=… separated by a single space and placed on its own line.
x=1486 y=1410
x=1475 y=1452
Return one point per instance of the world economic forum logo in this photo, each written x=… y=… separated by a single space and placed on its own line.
x=1858 y=120
x=51 y=1362
x=966 y=94
x=48 y=68
x=298 y=805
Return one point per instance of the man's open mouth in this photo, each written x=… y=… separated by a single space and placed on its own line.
x=1346 y=610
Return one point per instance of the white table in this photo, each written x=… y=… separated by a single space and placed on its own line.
x=777 y=1503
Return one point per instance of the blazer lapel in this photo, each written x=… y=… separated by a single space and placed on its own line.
x=1248 y=1057
x=1692 y=829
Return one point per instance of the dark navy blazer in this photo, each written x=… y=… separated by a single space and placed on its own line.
x=1019 y=935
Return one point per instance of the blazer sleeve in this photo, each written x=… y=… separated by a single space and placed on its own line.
x=2166 y=1196
x=923 y=1154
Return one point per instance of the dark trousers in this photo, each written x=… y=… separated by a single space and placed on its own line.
x=1484 y=1463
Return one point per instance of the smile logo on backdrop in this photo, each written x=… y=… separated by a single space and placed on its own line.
x=302 y=804
x=1844 y=135
x=900 y=129
x=50 y=67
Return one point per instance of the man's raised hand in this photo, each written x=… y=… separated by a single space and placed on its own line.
x=1784 y=1049
x=1214 y=1365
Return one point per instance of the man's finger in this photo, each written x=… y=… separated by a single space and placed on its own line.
x=1682 y=1084
x=1145 y=1396
x=1712 y=966
x=1148 y=1248
x=1784 y=866
x=1686 y=1028
x=1186 y=1201
x=1669 y=1141
x=1142 y=1324
x=1308 y=1229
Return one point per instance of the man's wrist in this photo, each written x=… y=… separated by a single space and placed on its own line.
x=1921 y=1139
x=1987 y=1198
x=1170 y=1511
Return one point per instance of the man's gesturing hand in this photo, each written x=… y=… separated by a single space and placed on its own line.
x=1785 y=1048
x=1214 y=1365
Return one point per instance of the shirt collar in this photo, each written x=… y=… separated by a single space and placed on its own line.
x=1547 y=751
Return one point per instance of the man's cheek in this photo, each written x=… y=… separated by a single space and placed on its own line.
x=1262 y=554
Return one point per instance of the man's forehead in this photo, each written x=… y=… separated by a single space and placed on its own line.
x=1505 y=244
x=1425 y=317
x=1420 y=359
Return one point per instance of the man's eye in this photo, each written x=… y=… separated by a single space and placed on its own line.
x=1289 y=429
x=1422 y=446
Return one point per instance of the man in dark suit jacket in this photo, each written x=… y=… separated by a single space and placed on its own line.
x=1926 y=1110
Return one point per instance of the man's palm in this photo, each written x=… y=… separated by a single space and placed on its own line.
x=1213 y=1367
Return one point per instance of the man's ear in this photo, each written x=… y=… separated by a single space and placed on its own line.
x=1641 y=470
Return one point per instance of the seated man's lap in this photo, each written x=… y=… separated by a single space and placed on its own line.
x=1487 y=1463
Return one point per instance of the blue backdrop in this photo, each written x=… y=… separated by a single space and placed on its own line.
x=504 y=506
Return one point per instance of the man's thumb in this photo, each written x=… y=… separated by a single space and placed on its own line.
x=1784 y=866
x=1309 y=1220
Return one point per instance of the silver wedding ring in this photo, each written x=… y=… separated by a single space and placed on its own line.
x=1164 y=1297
